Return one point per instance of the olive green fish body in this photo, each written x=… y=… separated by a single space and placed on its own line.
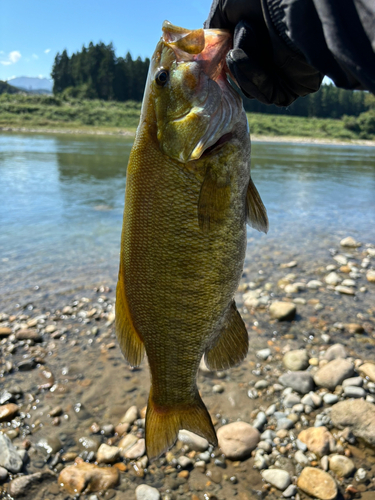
x=182 y=252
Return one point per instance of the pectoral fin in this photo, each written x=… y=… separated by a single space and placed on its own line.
x=130 y=341
x=256 y=212
x=231 y=345
x=214 y=199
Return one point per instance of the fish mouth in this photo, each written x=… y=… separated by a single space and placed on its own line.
x=217 y=145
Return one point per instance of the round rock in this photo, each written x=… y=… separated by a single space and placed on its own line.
x=237 y=440
x=300 y=381
x=342 y=466
x=195 y=442
x=296 y=360
x=318 y=440
x=283 y=311
x=146 y=492
x=277 y=477
x=333 y=373
x=335 y=351
x=317 y=483
x=358 y=415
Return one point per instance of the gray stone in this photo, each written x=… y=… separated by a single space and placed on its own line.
x=314 y=284
x=330 y=399
x=291 y=400
x=301 y=382
x=353 y=381
x=264 y=445
x=9 y=458
x=334 y=373
x=195 y=442
x=21 y=486
x=335 y=351
x=284 y=423
x=277 y=477
x=283 y=311
x=354 y=392
x=332 y=279
x=301 y=446
x=342 y=466
x=358 y=415
x=264 y=353
x=345 y=290
x=290 y=491
x=301 y=458
x=146 y=492
x=296 y=360
x=3 y=474
x=50 y=445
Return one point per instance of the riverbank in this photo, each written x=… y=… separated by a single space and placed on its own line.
x=50 y=114
x=69 y=429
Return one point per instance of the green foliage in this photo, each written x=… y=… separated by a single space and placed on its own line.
x=363 y=125
x=328 y=102
x=6 y=88
x=96 y=73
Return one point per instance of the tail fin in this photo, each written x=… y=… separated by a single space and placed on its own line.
x=163 y=424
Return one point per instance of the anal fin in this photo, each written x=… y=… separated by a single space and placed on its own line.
x=164 y=423
x=256 y=212
x=130 y=342
x=231 y=345
x=214 y=199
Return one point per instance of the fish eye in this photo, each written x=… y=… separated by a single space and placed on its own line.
x=162 y=77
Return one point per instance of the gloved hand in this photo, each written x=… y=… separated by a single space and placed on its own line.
x=266 y=66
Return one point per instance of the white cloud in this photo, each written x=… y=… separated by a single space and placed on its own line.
x=34 y=56
x=47 y=50
x=14 y=56
x=40 y=76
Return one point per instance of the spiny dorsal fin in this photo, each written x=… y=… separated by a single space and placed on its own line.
x=231 y=345
x=256 y=212
x=213 y=201
x=131 y=344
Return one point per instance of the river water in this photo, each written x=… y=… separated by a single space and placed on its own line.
x=62 y=200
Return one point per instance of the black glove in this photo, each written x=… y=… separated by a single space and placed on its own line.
x=261 y=62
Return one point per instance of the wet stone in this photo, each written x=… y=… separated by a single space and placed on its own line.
x=88 y=477
x=127 y=442
x=301 y=458
x=296 y=360
x=354 y=392
x=26 y=365
x=330 y=399
x=237 y=440
x=342 y=466
x=146 y=492
x=29 y=335
x=353 y=381
x=130 y=416
x=8 y=412
x=334 y=373
x=283 y=311
x=137 y=450
x=89 y=443
x=317 y=483
x=264 y=353
x=335 y=351
x=193 y=441
x=358 y=415
x=277 y=477
x=21 y=486
x=107 y=454
x=300 y=381
x=50 y=445
x=9 y=457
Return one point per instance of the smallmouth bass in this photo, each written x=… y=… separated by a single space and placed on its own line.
x=188 y=197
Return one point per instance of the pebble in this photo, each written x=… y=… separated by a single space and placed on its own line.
x=277 y=477
x=291 y=400
x=354 y=392
x=146 y=492
x=353 y=381
x=368 y=370
x=318 y=440
x=3 y=474
x=345 y=290
x=107 y=454
x=341 y=259
x=184 y=462
x=332 y=279
x=29 y=335
x=136 y=451
x=317 y=483
x=20 y=487
x=9 y=457
x=237 y=440
x=290 y=491
x=5 y=331
x=283 y=311
x=8 y=412
x=264 y=353
x=342 y=466
x=350 y=242
x=301 y=458
x=358 y=415
x=193 y=441
x=89 y=477
x=335 y=351
x=127 y=442
x=296 y=360
x=218 y=389
x=130 y=416
x=333 y=373
x=314 y=284
x=370 y=276
x=300 y=381
x=330 y=399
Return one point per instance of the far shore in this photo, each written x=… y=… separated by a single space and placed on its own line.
x=131 y=133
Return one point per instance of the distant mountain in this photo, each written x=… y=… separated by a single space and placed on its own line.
x=32 y=84
x=8 y=89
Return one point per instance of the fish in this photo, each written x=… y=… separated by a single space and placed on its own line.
x=188 y=197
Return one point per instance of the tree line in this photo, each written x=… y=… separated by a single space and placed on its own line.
x=97 y=73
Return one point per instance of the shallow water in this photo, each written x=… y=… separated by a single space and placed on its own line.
x=62 y=203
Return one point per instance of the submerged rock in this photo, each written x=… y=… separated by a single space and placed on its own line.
x=283 y=311
x=88 y=477
x=22 y=486
x=9 y=457
x=146 y=492
x=296 y=360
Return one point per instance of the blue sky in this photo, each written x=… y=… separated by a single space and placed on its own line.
x=33 y=31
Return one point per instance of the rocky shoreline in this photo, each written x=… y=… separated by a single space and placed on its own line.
x=295 y=420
